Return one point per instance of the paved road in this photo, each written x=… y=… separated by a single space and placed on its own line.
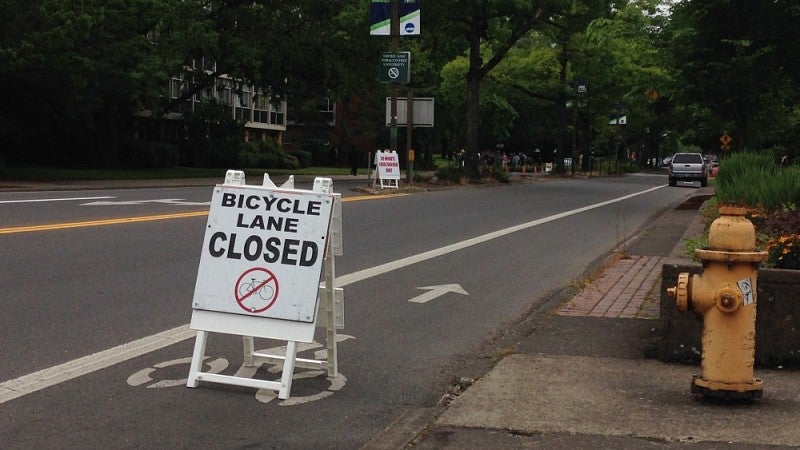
x=123 y=290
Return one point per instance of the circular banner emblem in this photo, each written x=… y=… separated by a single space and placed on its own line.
x=256 y=290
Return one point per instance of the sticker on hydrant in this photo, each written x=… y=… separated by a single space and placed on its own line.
x=746 y=286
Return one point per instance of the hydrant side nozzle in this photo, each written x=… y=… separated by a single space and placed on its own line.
x=681 y=292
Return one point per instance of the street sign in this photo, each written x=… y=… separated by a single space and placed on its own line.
x=423 y=112
x=621 y=120
x=387 y=165
x=725 y=140
x=263 y=251
x=395 y=67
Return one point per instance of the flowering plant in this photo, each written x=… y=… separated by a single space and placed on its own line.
x=784 y=252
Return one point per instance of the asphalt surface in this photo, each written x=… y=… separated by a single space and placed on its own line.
x=585 y=377
x=579 y=372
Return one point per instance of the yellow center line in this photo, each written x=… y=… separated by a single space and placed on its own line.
x=124 y=220
x=371 y=197
x=97 y=223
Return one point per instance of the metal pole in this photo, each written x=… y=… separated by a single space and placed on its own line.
x=409 y=134
x=395 y=36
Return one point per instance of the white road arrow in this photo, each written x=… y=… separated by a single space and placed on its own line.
x=438 y=291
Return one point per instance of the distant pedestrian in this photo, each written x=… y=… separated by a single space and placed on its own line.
x=352 y=159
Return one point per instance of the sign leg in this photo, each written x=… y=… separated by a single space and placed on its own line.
x=249 y=349
x=288 y=370
x=197 y=358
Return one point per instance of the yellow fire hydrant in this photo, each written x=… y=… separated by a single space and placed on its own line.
x=725 y=296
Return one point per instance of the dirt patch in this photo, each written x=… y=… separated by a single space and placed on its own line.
x=693 y=203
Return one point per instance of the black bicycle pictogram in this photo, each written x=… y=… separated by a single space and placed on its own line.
x=256 y=290
x=264 y=290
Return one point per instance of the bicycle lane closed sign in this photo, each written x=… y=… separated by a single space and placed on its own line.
x=263 y=252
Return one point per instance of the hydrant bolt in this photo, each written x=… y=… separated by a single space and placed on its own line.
x=727 y=301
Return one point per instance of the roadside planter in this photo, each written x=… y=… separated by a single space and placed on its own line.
x=777 y=320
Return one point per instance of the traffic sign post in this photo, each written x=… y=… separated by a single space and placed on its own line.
x=259 y=276
x=725 y=141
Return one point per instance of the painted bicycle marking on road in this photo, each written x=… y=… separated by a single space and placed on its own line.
x=148 y=377
x=143 y=377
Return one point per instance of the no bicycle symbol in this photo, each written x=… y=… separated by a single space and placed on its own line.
x=256 y=290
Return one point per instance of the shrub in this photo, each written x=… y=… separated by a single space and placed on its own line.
x=139 y=153
x=251 y=156
x=320 y=150
x=497 y=173
x=753 y=179
x=423 y=177
x=772 y=196
x=266 y=154
x=304 y=158
x=450 y=174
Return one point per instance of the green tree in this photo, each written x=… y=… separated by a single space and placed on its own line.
x=82 y=69
x=75 y=68
x=623 y=65
x=736 y=62
x=612 y=51
x=489 y=29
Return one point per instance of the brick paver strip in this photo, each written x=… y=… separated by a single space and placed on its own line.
x=620 y=292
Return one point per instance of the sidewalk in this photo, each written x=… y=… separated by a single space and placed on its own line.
x=582 y=375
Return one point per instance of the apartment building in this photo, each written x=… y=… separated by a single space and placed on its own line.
x=263 y=115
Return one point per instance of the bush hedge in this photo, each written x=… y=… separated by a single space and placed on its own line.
x=754 y=179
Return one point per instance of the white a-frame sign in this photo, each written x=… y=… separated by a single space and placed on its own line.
x=264 y=252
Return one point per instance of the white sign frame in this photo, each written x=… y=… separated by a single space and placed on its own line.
x=250 y=326
x=387 y=169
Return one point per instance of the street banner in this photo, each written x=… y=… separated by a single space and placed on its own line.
x=380 y=17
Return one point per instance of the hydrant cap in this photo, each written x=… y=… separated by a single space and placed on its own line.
x=728 y=299
x=732 y=231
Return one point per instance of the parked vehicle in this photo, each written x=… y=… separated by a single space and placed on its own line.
x=711 y=160
x=688 y=167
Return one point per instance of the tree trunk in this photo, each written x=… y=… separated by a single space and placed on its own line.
x=562 y=113
x=473 y=107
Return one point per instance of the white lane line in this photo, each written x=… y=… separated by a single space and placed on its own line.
x=414 y=259
x=52 y=376
x=40 y=200
x=42 y=379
